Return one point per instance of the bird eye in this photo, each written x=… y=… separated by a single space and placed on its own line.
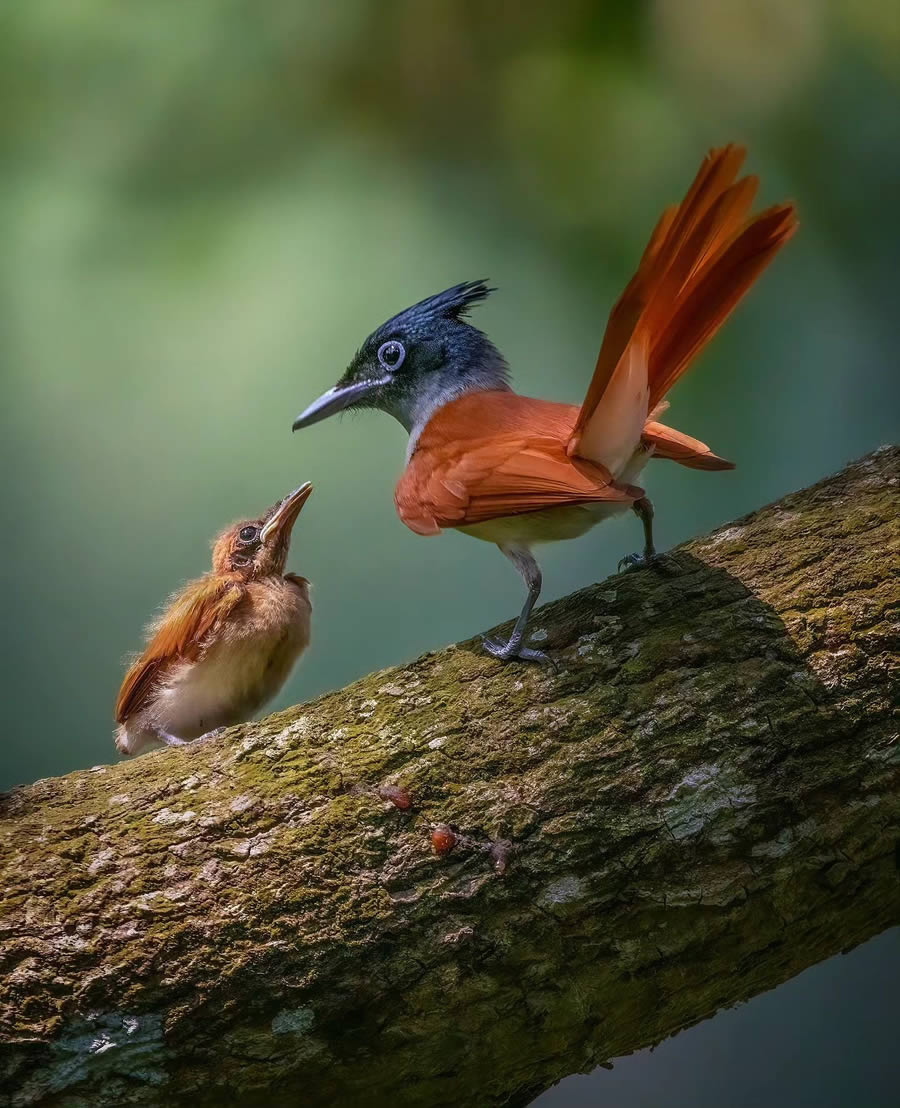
x=247 y=534
x=391 y=354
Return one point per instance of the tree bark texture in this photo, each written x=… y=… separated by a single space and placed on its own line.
x=700 y=803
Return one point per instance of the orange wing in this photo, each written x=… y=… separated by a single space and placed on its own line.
x=701 y=259
x=495 y=454
x=179 y=634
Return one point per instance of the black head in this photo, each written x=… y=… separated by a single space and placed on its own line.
x=425 y=353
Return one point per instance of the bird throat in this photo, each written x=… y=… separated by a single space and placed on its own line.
x=439 y=389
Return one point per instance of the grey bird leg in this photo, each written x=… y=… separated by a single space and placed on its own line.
x=643 y=509
x=169 y=740
x=521 y=558
x=214 y=734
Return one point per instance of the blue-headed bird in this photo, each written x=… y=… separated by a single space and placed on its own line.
x=518 y=471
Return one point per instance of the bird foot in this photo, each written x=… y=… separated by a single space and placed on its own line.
x=170 y=740
x=661 y=562
x=507 y=651
x=214 y=734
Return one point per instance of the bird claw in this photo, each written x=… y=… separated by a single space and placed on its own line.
x=214 y=734
x=170 y=740
x=506 y=653
x=631 y=561
x=660 y=562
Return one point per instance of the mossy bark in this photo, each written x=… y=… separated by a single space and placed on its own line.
x=701 y=802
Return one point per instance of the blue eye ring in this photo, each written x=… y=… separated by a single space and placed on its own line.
x=391 y=354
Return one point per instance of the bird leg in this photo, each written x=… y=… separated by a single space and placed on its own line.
x=167 y=738
x=643 y=509
x=521 y=558
x=214 y=734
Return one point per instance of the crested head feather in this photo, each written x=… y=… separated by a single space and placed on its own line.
x=452 y=304
x=455 y=302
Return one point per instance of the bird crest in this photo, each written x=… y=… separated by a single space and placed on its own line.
x=451 y=304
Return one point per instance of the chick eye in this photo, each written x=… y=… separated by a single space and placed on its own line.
x=247 y=534
x=391 y=354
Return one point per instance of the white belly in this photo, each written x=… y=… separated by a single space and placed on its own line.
x=228 y=685
x=221 y=689
x=547 y=525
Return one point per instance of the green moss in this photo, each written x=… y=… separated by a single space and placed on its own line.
x=659 y=791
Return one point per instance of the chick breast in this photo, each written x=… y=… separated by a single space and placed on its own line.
x=244 y=665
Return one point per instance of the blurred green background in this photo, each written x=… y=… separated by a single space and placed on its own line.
x=206 y=206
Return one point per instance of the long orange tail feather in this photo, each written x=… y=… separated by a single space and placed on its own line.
x=712 y=293
x=702 y=257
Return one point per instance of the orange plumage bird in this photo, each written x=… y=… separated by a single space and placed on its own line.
x=518 y=471
x=225 y=643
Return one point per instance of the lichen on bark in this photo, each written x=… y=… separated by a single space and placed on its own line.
x=700 y=803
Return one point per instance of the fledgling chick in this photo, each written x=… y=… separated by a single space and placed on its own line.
x=226 y=642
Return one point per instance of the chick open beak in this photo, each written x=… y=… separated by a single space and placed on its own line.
x=335 y=400
x=285 y=515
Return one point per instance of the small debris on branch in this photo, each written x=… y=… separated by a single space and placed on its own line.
x=400 y=798
x=499 y=852
x=443 y=839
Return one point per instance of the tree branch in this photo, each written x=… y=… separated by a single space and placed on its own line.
x=700 y=804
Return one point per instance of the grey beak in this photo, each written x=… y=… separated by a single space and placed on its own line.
x=335 y=400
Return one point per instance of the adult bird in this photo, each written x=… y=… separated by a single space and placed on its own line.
x=518 y=471
x=225 y=643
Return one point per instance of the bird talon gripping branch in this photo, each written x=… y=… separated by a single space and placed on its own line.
x=209 y=735
x=507 y=651
x=662 y=563
x=517 y=471
x=225 y=644
x=632 y=561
